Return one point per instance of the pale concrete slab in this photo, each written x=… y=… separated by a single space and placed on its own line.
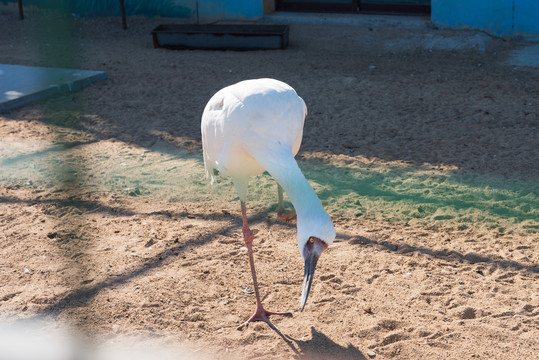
x=435 y=41
x=20 y=85
x=525 y=56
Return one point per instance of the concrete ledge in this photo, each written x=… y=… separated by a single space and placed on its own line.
x=20 y=85
x=391 y=21
x=525 y=56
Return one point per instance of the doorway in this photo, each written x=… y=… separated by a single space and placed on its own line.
x=356 y=6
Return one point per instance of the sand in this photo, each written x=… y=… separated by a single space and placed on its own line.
x=426 y=159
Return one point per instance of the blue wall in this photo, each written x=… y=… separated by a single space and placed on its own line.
x=203 y=10
x=527 y=19
x=213 y=10
x=510 y=18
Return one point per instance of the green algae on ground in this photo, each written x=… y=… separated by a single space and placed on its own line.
x=433 y=198
x=398 y=194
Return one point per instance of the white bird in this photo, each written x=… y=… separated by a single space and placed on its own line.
x=257 y=125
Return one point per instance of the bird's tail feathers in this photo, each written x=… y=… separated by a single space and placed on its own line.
x=209 y=171
x=208 y=168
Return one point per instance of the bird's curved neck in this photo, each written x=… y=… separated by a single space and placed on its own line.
x=289 y=176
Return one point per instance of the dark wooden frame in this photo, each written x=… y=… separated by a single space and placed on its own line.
x=353 y=6
x=225 y=37
x=394 y=8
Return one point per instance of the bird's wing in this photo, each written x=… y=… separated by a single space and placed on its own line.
x=213 y=121
x=273 y=112
x=259 y=114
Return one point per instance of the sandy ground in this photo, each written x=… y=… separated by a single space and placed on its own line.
x=426 y=159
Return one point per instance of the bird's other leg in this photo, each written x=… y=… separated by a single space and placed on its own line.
x=260 y=314
x=282 y=214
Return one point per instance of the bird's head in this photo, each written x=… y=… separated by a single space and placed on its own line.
x=314 y=236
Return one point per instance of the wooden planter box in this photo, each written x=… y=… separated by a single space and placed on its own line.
x=221 y=37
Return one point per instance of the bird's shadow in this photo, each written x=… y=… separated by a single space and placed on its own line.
x=320 y=347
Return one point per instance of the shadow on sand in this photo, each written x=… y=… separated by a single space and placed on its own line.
x=320 y=347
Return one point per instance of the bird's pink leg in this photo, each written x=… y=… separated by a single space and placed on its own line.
x=260 y=314
x=282 y=214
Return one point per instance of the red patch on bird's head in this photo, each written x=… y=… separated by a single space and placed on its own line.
x=315 y=245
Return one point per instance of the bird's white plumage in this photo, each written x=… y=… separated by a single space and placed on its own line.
x=257 y=125
x=255 y=111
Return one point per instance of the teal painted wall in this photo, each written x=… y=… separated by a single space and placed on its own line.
x=508 y=18
x=213 y=10
x=527 y=19
x=203 y=10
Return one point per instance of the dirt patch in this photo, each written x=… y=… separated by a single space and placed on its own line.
x=426 y=159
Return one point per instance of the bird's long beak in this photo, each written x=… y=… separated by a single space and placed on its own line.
x=311 y=253
x=310 y=265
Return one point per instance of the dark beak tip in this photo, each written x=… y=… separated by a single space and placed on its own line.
x=310 y=265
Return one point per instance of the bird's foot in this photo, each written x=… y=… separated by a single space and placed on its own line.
x=287 y=216
x=262 y=314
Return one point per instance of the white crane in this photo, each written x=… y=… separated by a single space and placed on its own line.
x=257 y=125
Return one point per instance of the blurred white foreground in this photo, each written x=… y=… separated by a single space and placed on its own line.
x=36 y=340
